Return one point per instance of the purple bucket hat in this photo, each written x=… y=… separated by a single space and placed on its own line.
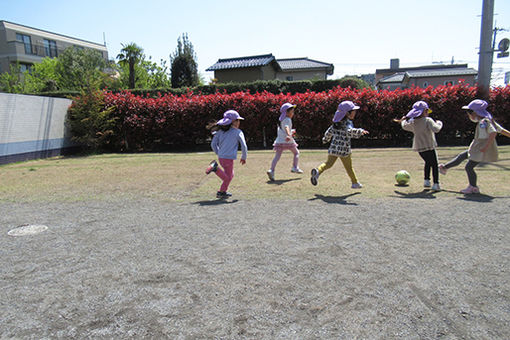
x=342 y=110
x=418 y=109
x=479 y=107
x=228 y=117
x=283 y=110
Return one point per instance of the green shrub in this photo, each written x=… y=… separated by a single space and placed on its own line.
x=92 y=125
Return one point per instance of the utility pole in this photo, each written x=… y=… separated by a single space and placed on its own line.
x=486 y=49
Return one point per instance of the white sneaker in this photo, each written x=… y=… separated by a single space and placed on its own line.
x=426 y=183
x=436 y=187
x=270 y=174
x=356 y=185
x=296 y=170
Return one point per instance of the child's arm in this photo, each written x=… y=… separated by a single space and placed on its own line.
x=407 y=125
x=244 y=147
x=435 y=126
x=356 y=133
x=327 y=135
x=215 y=143
x=490 y=140
x=501 y=130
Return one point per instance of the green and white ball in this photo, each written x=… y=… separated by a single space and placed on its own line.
x=402 y=177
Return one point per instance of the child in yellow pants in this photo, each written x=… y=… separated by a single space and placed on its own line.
x=340 y=134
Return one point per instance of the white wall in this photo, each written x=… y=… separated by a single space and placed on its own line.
x=32 y=127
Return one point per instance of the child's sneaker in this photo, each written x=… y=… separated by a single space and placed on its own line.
x=270 y=174
x=442 y=169
x=213 y=166
x=436 y=187
x=470 y=190
x=296 y=170
x=315 y=177
x=356 y=185
x=426 y=183
x=223 y=194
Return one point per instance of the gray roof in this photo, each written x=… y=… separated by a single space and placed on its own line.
x=394 y=78
x=242 y=62
x=400 y=76
x=293 y=64
x=442 y=72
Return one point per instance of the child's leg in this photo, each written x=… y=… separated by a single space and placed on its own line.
x=457 y=160
x=227 y=173
x=276 y=158
x=328 y=164
x=470 y=169
x=295 y=151
x=430 y=158
x=347 y=162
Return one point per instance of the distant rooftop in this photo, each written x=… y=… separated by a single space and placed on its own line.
x=291 y=64
x=48 y=34
x=425 y=67
x=242 y=62
x=398 y=77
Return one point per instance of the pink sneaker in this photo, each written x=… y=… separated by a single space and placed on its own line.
x=442 y=169
x=470 y=190
x=213 y=166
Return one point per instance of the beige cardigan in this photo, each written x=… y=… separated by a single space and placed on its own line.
x=424 y=130
x=483 y=129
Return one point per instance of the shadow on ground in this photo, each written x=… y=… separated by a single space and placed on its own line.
x=282 y=181
x=215 y=202
x=335 y=199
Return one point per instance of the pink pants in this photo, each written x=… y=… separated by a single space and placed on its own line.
x=227 y=173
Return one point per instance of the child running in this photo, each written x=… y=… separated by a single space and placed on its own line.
x=340 y=134
x=225 y=143
x=483 y=148
x=284 y=140
x=424 y=129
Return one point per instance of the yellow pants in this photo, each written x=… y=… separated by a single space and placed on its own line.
x=346 y=161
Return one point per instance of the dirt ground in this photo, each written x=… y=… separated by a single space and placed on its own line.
x=343 y=267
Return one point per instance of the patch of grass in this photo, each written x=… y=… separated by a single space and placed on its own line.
x=180 y=176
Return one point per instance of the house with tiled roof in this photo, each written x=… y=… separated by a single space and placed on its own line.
x=423 y=76
x=267 y=67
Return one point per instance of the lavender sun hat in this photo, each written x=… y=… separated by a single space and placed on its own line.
x=228 y=117
x=418 y=108
x=342 y=110
x=479 y=107
x=283 y=110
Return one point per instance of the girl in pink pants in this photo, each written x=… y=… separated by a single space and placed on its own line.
x=225 y=143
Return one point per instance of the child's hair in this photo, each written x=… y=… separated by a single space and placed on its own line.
x=341 y=124
x=213 y=126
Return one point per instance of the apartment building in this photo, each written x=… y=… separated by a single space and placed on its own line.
x=27 y=45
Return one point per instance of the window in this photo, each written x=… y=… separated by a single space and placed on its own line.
x=25 y=67
x=50 y=48
x=448 y=82
x=290 y=78
x=25 y=39
x=425 y=84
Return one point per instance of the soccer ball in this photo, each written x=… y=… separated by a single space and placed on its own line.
x=402 y=177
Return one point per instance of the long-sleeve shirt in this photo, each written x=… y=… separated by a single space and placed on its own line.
x=424 y=130
x=226 y=143
x=341 y=138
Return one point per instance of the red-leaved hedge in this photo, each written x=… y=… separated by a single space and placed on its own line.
x=169 y=121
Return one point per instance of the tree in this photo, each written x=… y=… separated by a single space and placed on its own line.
x=79 y=68
x=183 y=64
x=131 y=54
x=12 y=81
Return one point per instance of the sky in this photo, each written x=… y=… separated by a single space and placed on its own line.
x=356 y=36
